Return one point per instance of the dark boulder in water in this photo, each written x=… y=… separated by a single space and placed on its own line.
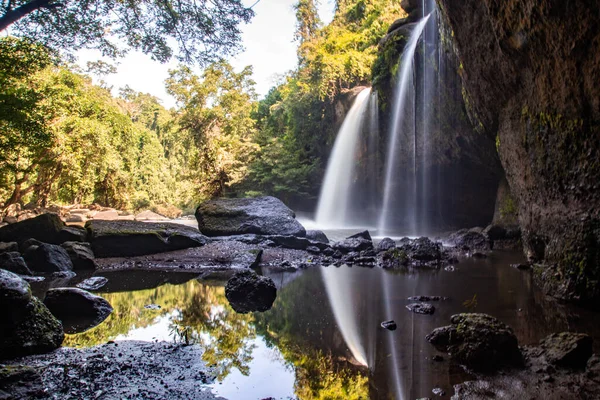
x=93 y=283
x=354 y=244
x=478 y=341
x=81 y=255
x=77 y=309
x=261 y=215
x=248 y=292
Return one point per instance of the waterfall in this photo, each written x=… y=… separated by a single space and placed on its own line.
x=336 y=192
x=401 y=97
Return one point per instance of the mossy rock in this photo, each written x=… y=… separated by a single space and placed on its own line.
x=27 y=326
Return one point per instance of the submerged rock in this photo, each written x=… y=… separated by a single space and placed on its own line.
x=478 y=341
x=386 y=244
x=27 y=326
x=389 y=325
x=567 y=349
x=421 y=308
x=13 y=262
x=262 y=215
x=48 y=258
x=77 y=309
x=81 y=255
x=135 y=238
x=247 y=291
x=93 y=283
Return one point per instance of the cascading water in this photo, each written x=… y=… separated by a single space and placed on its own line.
x=401 y=97
x=334 y=200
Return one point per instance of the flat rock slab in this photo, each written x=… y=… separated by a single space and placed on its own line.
x=120 y=370
x=134 y=238
x=421 y=308
x=261 y=215
x=217 y=255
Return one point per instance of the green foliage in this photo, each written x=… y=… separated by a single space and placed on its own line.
x=203 y=31
x=297 y=120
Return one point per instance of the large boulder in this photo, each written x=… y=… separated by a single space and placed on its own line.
x=13 y=262
x=134 y=238
x=81 y=255
x=470 y=240
x=248 y=292
x=77 y=309
x=478 y=341
x=27 y=326
x=530 y=72
x=385 y=244
x=261 y=215
x=45 y=228
x=48 y=258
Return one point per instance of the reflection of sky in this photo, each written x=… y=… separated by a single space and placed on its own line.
x=269 y=376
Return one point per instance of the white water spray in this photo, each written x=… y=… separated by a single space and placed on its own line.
x=401 y=96
x=334 y=200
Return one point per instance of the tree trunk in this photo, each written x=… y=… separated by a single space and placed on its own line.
x=12 y=16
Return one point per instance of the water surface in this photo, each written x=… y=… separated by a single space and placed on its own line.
x=322 y=338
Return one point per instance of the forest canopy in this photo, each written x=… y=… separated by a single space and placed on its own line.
x=65 y=140
x=193 y=31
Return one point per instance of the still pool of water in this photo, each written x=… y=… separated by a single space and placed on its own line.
x=322 y=338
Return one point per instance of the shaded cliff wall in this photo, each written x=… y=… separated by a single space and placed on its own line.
x=531 y=70
x=462 y=165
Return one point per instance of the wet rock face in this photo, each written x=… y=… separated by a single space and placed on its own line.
x=77 y=309
x=530 y=70
x=470 y=240
x=567 y=349
x=354 y=244
x=262 y=215
x=134 y=238
x=247 y=292
x=27 y=326
x=13 y=262
x=386 y=244
x=478 y=341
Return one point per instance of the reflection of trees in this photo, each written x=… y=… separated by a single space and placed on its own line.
x=199 y=314
x=305 y=335
x=224 y=333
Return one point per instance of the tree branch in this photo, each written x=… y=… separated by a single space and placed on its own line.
x=12 y=16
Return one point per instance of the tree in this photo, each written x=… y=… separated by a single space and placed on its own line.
x=216 y=115
x=307 y=18
x=203 y=30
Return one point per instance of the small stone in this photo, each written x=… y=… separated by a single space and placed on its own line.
x=450 y=268
x=548 y=378
x=152 y=307
x=421 y=308
x=437 y=358
x=438 y=391
x=521 y=266
x=389 y=325
x=426 y=298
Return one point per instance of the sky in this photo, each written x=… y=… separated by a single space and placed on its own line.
x=267 y=39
